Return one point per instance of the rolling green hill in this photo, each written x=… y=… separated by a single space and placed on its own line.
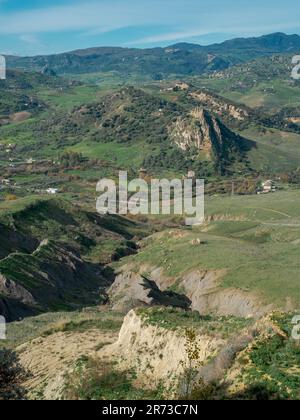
x=231 y=113
x=19 y=92
x=247 y=250
x=172 y=136
x=264 y=83
x=52 y=255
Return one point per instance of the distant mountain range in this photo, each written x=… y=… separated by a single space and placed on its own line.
x=158 y=63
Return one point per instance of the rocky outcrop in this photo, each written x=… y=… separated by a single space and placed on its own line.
x=220 y=106
x=204 y=134
x=158 y=354
x=187 y=134
x=231 y=302
x=203 y=288
x=207 y=296
x=155 y=353
x=131 y=290
x=15 y=291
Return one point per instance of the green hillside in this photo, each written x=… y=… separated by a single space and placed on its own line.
x=20 y=91
x=262 y=83
x=140 y=307
x=253 y=240
x=137 y=120
x=52 y=255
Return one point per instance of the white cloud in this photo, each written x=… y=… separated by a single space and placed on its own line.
x=237 y=30
x=111 y=14
x=175 y=20
x=29 y=39
x=171 y=36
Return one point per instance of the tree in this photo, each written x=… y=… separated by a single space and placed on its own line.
x=12 y=374
x=192 y=364
x=192 y=386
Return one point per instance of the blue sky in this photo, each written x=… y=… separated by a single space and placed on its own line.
x=29 y=27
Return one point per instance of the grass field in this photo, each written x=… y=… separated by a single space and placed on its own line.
x=272 y=95
x=109 y=79
x=120 y=155
x=173 y=319
x=275 y=150
x=51 y=323
x=254 y=239
x=73 y=97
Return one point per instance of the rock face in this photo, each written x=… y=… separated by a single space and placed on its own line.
x=202 y=133
x=220 y=106
x=195 y=133
x=154 y=352
x=14 y=291
x=132 y=290
x=202 y=287
x=132 y=114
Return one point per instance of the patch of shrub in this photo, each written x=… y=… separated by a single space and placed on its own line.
x=92 y=379
x=12 y=375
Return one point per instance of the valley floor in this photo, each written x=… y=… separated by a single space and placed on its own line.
x=224 y=283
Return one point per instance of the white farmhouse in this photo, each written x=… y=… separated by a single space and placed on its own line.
x=52 y=191
x=267 y=187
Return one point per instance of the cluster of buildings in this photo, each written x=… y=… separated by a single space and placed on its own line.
x=52 y=191
x=8 y=148
x=267 y=187
x=5 y=182
x=180 y=86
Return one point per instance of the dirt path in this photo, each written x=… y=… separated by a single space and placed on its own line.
x=273 y=211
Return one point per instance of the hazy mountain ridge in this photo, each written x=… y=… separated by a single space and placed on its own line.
x=184 y=59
